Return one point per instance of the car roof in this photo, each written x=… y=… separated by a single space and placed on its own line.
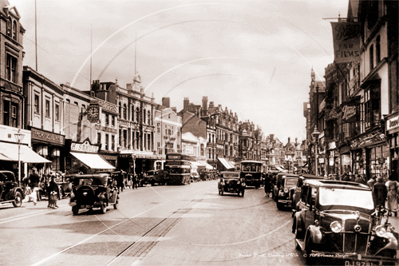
x=230 y=172
x=336 y=184
x=89 y=176
x=309 y=176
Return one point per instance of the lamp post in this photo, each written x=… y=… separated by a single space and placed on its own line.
x=19 y=137
x=315 y=134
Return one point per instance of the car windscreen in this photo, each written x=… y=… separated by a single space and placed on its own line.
x=231 y=176
x=346 y=197
x=290 y=182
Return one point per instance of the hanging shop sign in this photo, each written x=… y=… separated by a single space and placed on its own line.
x=393 y=123
x=346 y=41
x=349 y=113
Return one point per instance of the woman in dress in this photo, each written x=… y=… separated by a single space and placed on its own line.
x=53 y=192
x=392 y=186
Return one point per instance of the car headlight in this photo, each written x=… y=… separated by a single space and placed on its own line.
x=238 y=182
x=380 y=231
x=336 y=227
x=285 y=190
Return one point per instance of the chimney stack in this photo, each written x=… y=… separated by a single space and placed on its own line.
x=166 y=102
x=204 y=105
x=185 y=103
x=211 y=104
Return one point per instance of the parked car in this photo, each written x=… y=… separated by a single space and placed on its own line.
x=93 y=191
x=65 y=187
x=284 y=190
x=337 y=220
x=10 y=191
x=232 y=183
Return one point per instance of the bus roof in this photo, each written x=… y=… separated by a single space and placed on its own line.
x=251 y=161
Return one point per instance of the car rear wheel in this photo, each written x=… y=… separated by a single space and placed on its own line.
x=75 y=210
x=103 y=209
x=221 y=192
x=242 y=193
x=17 y=200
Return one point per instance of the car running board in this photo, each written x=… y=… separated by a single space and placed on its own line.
x=300 y=243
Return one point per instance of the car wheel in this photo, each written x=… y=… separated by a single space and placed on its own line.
x=103 y=209
x=279 y=206
x=242 y=193
x=75 y=210
x=221 y=192
x=17 y=200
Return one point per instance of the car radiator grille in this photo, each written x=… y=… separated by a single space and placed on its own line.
x=355 y=243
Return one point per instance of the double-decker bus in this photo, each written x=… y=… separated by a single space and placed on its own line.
x=178 y=167
x=252 y=172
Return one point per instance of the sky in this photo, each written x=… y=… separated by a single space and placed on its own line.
x=252 y=56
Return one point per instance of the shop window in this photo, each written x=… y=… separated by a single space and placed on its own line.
x=11 y=68
x=6 y=112
x=57 y=112
x=47 y=108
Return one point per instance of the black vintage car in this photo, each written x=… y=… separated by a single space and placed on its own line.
x=232 y=183
x=93 y=191
x=337 y=221
x=297 y=190
x=284 y=190
x=10 y=191
x=156 y=177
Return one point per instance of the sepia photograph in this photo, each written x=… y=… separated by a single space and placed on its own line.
x=197 y=132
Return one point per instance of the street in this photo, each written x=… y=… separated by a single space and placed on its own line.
x=160 y=225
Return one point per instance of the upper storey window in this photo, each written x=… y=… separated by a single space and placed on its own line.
x=11 y=68
x=14 y=30
x=9 y=27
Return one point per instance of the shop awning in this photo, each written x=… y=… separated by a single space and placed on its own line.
x=9 y=152
x=232 y=163
x=207 y=165
x=94 y=161
x=225 y=163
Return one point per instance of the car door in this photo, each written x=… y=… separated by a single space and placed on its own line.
x=309 y=217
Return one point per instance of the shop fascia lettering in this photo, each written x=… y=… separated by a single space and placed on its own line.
x=393 y=123
x=84 y=147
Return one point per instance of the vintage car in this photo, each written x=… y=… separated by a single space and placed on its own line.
x=232 y=183
x=297 y=190
x=93 y=191
x=284 y=189
x=10 y=191
x=337 y=220
x=156 y=177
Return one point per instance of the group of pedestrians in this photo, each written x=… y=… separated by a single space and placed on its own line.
x=126 y=180
x=385 y=194
x=34 y=183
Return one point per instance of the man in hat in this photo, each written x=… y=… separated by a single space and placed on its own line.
x=380 y=193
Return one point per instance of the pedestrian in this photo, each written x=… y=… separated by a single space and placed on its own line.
x=53 y=192
x=268 y=185
x=392 y=186
x=119 y=181
x=360 y=179
x=34 y=181
x=380 y=194
x=135 y=181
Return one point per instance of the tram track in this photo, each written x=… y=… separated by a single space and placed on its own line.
x=138 y=248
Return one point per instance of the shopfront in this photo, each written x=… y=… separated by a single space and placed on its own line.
x=345 y=159
x=83 y=158
x=370 y=155
x=333 y=159
x=392 y=130
x=49 y=145
x=11 y=151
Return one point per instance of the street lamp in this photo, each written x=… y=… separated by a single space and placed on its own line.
x=19 y=137
x=315 y=134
